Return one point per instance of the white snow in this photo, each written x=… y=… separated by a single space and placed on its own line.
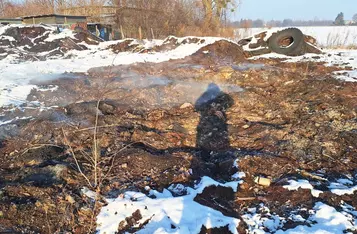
x=326 y=220
x=342 y=189
x=166 y=214
x=304 y=184
x=269 y=33
x=336 y=36
x=260 y=218
x=13 y=120
x=3 y=28
x=323 y=219
x=65 y=33
x=341 y=58
x=88 y=193
x=238 y=175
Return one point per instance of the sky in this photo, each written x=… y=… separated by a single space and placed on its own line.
x=295 y=9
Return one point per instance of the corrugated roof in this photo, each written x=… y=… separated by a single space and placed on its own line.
x=11 y=19
x=53 y=15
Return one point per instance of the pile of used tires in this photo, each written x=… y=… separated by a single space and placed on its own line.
x=290 y=41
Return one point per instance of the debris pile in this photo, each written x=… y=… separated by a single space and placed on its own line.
x=290 y=41
x=33 y=43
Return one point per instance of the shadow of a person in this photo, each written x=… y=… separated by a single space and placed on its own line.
x=212 y=130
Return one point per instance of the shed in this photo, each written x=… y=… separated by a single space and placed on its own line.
x=5 y=21
x=54 y=19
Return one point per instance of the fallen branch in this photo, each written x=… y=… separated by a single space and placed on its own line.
x=75 y=159
x=116 y=153
x=38 y=146
x=308 y=174
x=250 y=198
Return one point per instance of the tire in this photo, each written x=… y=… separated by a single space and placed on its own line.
x=294 y=36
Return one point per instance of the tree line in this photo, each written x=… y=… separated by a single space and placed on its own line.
x=259 y=23
x=167 y=16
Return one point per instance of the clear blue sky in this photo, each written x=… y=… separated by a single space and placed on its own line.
x=295 y=9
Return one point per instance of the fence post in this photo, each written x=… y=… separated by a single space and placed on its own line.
x=140 y=34
x=122 y=33
x=152 y=34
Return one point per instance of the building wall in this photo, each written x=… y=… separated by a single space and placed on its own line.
x=10 y=21
x=70 y=20
x=45 y=20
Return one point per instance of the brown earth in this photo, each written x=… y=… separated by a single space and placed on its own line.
x=157 y=121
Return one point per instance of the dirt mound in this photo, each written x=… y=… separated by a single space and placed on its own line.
x=171 y=43
x=214 y=51
x=128 y=45
x=223 y=50
x=41 y=42
x=23 y=35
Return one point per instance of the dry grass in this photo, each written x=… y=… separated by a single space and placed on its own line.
x=227 y=32
x=335 y=41
x=341 y=41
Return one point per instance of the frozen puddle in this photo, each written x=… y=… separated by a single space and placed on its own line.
x=166 y=214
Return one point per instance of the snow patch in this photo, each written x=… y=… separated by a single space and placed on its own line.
x=326 y=220
x=166 y=214
x=304 y=184
x=346 y=59
x=341 y=189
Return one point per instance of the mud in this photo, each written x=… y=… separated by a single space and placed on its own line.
x=174 y=122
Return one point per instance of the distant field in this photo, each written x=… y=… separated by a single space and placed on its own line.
x=329 y=37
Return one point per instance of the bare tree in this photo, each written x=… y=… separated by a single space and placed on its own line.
x=354 y=18
x=2 y=7
x=214 y=11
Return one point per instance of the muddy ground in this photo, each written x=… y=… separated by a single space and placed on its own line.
x=174 y=122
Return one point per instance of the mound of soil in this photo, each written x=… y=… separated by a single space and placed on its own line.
x=128 y=45
x=30 y=43
x=222 y=50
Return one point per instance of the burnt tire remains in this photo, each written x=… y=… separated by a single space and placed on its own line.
x=288 y=41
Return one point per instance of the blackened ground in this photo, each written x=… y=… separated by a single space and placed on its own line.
x=278 y=118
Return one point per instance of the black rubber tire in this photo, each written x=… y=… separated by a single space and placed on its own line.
x=294 y=49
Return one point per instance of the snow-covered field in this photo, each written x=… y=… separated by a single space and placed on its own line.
x=328 y=37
